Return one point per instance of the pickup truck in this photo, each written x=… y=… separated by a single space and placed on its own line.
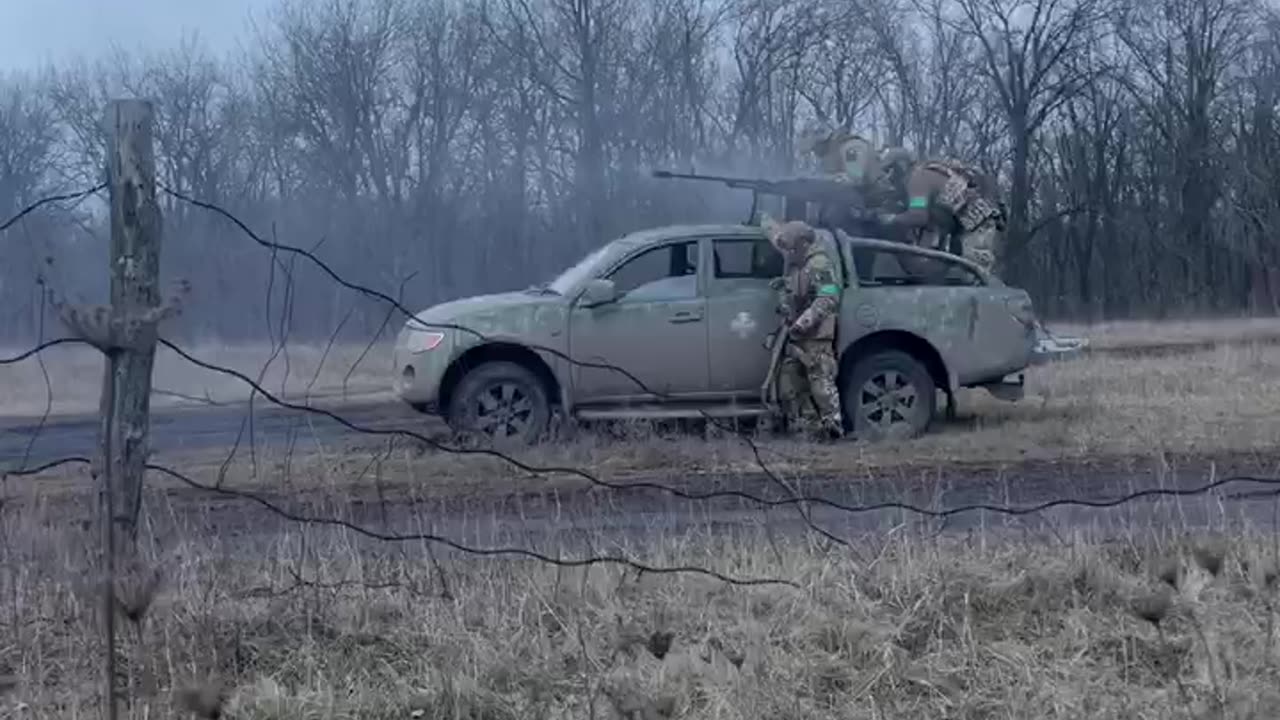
x=675 y=322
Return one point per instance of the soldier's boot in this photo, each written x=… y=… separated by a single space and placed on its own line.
x=775 y=424
x=831 y=428
x=826 y=403
x=787 y=418
x=826 y=423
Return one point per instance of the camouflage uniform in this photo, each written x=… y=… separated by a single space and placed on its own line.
x=943 y=197
x=809 y=304
x=850 y=158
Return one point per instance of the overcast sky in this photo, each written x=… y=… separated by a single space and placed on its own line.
x=35 y=31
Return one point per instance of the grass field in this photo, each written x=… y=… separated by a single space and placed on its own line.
x=297 y=370
x=309 y=625
x=290 y=621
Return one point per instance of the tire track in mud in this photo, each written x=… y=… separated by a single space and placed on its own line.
x=588 y=520
x=585 y=517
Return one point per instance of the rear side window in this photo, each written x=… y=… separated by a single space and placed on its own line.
x=879 y=267
x=745 y=258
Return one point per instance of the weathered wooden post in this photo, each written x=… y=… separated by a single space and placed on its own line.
x=126 y=398
x=135 y=297
x=125 y=332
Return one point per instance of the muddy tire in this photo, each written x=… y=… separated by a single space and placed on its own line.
x=888 y=395
x=501 y=402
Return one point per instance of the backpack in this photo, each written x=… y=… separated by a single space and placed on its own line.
x=970 y=194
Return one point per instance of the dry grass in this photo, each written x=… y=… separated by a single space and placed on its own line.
x=256 y=619
x=1218 y=401
x=1134 y=333
x=1214 y=400
x=75 y=374
x=930 y=629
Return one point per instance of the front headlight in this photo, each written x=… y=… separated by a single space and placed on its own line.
x=419 y=341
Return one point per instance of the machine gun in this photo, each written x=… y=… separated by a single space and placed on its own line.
x=837 y=204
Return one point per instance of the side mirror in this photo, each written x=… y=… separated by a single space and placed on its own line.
x=598 y=292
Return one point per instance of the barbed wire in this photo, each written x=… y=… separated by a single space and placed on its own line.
x=794 y=498
x=481 y=451
x=711 y=494
x=41 y=347
x=41 y=343
x=49 y=200
x=47 y=410
x=436 y=539
x=46 y=466
x=317 y=520
x=277 y=247
x=1009 y=510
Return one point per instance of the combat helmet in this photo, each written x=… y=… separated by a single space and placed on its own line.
x=815 y=139
x=896 y=158
x=790 y=238
x=895 y=164
x=852 y=155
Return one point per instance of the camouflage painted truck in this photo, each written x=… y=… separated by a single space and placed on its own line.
x=687 y=312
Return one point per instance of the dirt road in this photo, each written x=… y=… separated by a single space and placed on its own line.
x=582 y=518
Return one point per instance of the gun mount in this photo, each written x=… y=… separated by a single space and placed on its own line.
x=823 y=202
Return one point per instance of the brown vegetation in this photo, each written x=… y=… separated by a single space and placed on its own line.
x=311 y=624
x=252 y=618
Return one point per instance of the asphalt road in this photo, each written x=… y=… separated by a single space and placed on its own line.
x=200 y=428
x=28 y=441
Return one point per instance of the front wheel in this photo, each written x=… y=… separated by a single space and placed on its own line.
x=889 y=395
x=501 y=401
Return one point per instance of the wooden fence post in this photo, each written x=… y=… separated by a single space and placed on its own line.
x=125 y=332
x=130 y=355
x=135 y=296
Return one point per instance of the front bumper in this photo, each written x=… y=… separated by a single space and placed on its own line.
x=417 y=376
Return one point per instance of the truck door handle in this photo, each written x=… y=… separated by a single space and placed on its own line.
x=686 y=316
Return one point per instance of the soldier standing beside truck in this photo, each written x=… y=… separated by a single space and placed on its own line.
x=809 y=304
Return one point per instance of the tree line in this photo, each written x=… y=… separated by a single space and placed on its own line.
x=443 y=148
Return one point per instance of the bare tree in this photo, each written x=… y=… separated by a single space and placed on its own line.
x=1185 y=51
x=1029 y=50
x=479 y=146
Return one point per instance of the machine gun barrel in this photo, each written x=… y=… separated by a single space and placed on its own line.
x=811 y=189
x=744 y=183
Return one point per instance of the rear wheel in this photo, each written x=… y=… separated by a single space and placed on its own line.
x=501 y=401
x=889 y=395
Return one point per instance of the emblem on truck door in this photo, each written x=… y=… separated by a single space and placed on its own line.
x=743 y=324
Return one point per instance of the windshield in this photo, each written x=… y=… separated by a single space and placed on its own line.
x=576 y=274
